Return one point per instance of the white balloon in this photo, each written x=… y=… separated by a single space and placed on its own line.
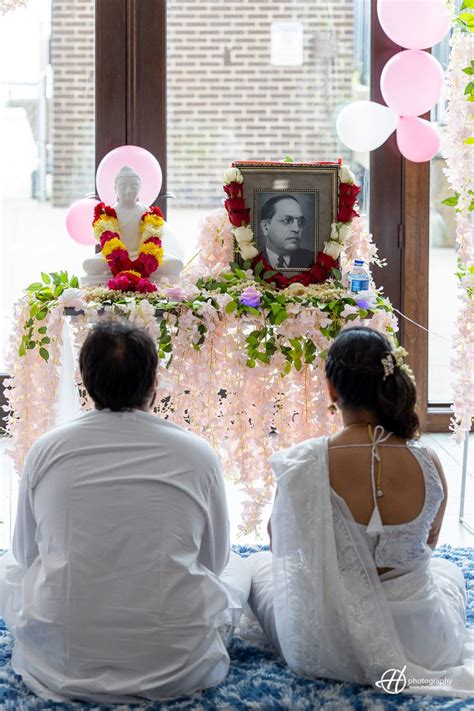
x=365 y=125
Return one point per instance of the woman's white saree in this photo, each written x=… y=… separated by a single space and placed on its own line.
x=335 y=617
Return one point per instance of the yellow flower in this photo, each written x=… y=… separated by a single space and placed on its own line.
x=114 y=243
x=105 y=224
x=152 y=249
x=151 y=221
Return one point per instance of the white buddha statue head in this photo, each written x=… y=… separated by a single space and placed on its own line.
x=127 y=186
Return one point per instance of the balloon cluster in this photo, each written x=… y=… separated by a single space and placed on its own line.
x=411 y=83
x=80 y=215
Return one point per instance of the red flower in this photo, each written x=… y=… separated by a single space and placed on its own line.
x=234 y=204
x=304 y=278
x=98 y=209
x=326 y=261
x=155 y=240
x=126 y=281
x=121 y=283
x=347 y=199
x=146 y=264
x=145 y=286
x=105 y=236
x=119 y=261
x=102 y=209
x=240 y=217
x=318 y=274
x=153 y=211
x=234 y=190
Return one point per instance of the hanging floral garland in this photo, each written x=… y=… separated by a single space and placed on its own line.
x=458 y=149
x=130 y=274
x=326 y=259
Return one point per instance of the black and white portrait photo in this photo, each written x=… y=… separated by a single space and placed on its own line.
x=286 y=229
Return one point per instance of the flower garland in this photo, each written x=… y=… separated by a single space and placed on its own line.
x=459 y=172
x=326 y=259
x=263 y=346
x=130 y=275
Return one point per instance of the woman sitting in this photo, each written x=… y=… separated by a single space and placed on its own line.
x=351 y=590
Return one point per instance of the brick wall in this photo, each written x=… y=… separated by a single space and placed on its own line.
x=72 y=115
x=226 y=101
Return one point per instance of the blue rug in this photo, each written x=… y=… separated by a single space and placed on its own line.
x=257 y=679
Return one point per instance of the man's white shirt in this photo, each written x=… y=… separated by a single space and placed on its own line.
x=121 y=534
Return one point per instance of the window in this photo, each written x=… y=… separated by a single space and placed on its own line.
x=235 y=94
x=47 y=140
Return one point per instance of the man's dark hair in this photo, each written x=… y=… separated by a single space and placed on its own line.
x=269 y=208
x=118 y=363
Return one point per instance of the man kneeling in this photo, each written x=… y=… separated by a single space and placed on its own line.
x=117 y=589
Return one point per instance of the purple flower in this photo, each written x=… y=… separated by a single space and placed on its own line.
x=250 y=297
x=366 y=299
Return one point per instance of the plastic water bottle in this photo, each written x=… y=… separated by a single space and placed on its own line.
x=359 y=277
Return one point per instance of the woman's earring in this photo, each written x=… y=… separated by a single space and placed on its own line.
x=332 y=408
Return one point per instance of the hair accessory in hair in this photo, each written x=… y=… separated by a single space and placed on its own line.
x=388 y=363
x=395 y=359
x=399 y=354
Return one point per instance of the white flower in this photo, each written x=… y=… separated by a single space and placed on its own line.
x=340 y=231
x=191 y=291
x=344 y=232
x=349 y=310
x=333 y=249
x=335 y=231
x=146 y=309
x=346 y=175
x=248 y=251
x=151 y=231
x=243 y=234
x=72 y=298
x=233 y=175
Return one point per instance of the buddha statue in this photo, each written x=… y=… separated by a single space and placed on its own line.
x=129 y=213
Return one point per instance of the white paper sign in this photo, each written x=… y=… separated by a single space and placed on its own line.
x=287 y=44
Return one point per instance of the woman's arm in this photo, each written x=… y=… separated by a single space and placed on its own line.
x=438 y=519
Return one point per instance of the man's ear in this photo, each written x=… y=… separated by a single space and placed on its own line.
x=264 y=227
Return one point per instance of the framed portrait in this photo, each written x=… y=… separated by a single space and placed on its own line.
x=292 y=207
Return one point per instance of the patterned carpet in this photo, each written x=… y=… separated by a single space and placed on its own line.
x=257 y=679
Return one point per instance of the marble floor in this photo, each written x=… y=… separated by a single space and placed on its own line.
x=449 y=453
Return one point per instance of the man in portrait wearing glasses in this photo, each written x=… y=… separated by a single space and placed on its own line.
x=281 y=231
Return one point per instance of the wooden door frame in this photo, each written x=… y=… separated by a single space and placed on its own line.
x=399 y=220
x=131 y=78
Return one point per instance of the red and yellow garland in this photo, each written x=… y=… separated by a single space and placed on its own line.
x=130 y=274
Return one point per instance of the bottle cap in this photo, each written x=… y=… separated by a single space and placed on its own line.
x=358 y=261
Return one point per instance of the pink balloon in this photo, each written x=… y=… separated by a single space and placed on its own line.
x=415 y=24
x=417 y=139
x=142 y=161
x=79 y=221
x=411 y=82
